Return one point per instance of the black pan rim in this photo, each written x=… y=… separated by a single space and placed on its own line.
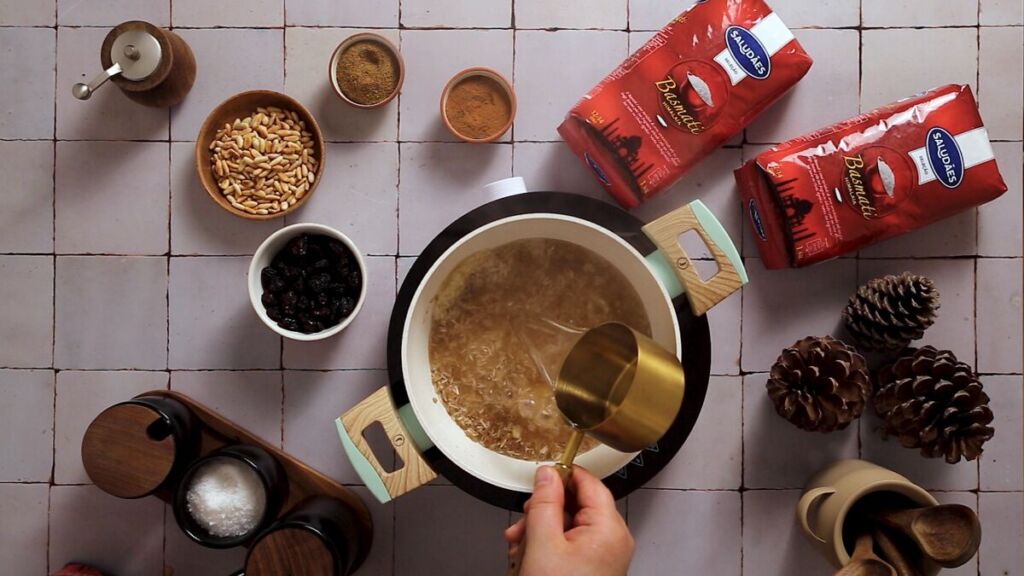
x=694 y=331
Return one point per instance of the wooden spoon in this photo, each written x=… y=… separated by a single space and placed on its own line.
x=864 y=562
x=948 y=534
x=892 y=553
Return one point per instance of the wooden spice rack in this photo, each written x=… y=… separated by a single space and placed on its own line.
x=302 y=480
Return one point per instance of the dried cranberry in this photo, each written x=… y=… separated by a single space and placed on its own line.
x=314 y=251
x=270 y=279
x=299 y=246
x=267 y=275
x=337 y=248
x=289 y=323
x=274 y=313
x=268 y=300
x=289 y=298
x=310 y=326
x=319 y=282
x=348 y=304
x=354 y=279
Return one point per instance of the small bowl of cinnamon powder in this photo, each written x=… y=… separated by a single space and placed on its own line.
x=366 y=70
x=478 y=105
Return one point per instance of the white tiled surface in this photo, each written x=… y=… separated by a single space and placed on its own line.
x=147 y=290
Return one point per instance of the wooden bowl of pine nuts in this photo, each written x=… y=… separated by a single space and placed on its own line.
x=260 y=154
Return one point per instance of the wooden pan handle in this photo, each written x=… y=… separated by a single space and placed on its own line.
x=385 y=485
x=731 y=275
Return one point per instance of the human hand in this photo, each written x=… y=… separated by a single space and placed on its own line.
x=597 y=541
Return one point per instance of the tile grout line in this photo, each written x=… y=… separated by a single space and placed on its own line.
x=53 y=320
x=442 y=28
x=398 y=249
x=398 y=162
x=172 y=140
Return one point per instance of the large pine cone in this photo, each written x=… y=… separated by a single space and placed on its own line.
x=888 y=313
x=819 y=384
x=934 y=402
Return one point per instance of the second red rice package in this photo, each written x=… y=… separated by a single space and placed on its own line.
x=873 y=177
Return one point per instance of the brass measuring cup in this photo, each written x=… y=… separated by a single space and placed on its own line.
x=620 y=387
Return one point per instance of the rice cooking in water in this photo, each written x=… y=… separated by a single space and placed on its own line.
x=480 y=351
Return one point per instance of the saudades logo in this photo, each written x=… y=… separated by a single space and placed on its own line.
x=748 y=52
x=945 y=157
x=596 y=168
x=755 y=219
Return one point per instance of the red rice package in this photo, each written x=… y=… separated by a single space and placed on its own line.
x=697 y=83
x=870 y=178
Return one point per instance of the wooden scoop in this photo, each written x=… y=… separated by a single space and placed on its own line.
x=864 y=562
x=901 y=560
x=947 y=534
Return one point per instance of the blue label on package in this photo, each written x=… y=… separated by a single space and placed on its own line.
x=755 y=219
x=597 y=169
x=945 y=157
x=748 y=52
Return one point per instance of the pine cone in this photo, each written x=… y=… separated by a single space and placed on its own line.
x=819 y=384
x=934 y=402
x=888 y=313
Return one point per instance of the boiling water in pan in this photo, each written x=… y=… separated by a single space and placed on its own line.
x=502 y=321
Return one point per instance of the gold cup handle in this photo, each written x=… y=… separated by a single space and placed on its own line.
x=564 y=464
x=564 y=469
x=731 y=275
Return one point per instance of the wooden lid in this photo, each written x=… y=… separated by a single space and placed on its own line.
x=123 y=456
x=288 y=552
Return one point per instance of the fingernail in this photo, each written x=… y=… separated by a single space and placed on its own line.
x=545 y=475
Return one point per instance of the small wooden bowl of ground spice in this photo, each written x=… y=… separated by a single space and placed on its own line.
x=478 y=105
x=366 y=70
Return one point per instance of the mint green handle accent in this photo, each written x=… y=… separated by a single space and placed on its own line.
x=664 y=273
x=362 y=466
x=413 y=428
x=714 y=229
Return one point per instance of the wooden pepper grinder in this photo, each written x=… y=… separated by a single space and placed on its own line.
x=152 y=66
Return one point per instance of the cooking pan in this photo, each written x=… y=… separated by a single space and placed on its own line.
x=423 y=426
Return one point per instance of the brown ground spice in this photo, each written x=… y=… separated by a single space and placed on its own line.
x=478 y=107
x=367 y=72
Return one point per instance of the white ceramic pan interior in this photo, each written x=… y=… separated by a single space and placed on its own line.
x=443 y=432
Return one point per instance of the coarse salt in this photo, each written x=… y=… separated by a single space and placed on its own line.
x=226 y=497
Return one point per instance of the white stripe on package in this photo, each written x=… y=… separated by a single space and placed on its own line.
x=772 y=33
x=974 y=146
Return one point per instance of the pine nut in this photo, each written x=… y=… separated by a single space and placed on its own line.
x=265 y=162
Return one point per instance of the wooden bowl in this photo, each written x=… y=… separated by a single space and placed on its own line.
x=487 y=73
x=332 y=74
x=239 y=106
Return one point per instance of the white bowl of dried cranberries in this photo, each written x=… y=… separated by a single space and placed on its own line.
x=307 y=281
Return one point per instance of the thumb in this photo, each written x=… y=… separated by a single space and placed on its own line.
x=547 y=506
